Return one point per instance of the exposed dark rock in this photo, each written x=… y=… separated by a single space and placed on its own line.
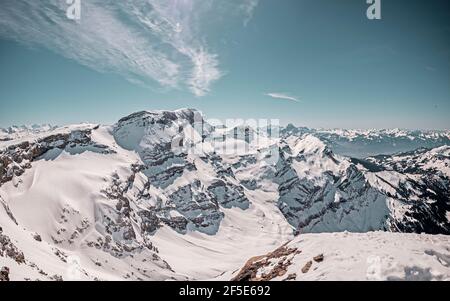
x=8 y=249
x=37 y=237
x=4 y=274
x=8 y=211
x=15 y=159
x=318 y=258
x=306 y=267
x=250 y=270
x=57 y=278
x=228 y=195
x=292 y=276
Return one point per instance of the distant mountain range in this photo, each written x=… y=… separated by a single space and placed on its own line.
x=364 y=143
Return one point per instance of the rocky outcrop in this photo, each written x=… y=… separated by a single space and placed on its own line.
x=267 y=267
x=4 y=274
x=228 y=195
x=193 y=206
x=8 y=249
x=16 y=158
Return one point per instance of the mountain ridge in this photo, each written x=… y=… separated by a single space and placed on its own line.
x=133 y=195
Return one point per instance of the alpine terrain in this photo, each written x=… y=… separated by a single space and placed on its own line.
x=167 y=195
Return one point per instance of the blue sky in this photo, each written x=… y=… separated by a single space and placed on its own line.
x=317 y=63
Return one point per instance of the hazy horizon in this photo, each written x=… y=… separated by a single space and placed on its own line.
x=283 y=124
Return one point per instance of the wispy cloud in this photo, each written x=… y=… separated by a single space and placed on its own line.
x=284 y=96
x=145 y=41
x=248 y=7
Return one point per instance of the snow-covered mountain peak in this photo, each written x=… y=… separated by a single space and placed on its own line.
x=163 y=118
x=442 y=150
x=146 y=129
x=436 y=160
x=307 y=145
x=30 y=128
x=15 y=132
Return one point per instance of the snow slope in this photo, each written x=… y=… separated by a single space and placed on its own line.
x=59 y=199
x=354 y=256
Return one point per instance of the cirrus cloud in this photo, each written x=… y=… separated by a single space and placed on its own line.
x=284 y=96
x=145 y=41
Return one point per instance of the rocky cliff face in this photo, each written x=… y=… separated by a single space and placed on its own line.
x=418 y=181
x=322 y=192
x=319 y=191
x=183 y=195
x=17 y=157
